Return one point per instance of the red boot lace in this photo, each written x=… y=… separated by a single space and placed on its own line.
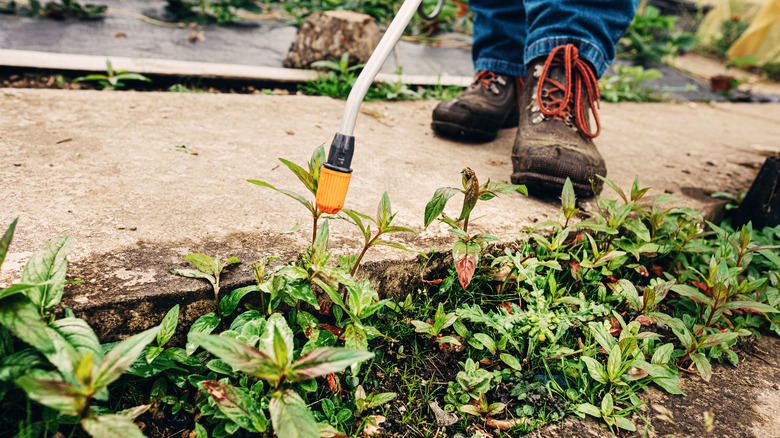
x=485 y=78
x=579 y=75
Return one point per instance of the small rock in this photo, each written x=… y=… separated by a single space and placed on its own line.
x=443 y=418
x=133 y=228
x=120 y=227
x=372 y=425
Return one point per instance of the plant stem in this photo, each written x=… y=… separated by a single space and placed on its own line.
x=466 y=224
x=362 y=253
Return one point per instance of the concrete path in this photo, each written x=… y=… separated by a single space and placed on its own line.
x=101 y=167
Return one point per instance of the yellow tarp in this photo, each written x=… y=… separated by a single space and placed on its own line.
x=762 y=37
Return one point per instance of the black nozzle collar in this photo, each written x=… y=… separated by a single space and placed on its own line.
x=340 y=154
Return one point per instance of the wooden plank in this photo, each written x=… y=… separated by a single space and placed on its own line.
x=168 y=67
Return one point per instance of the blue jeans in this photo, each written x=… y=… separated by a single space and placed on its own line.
x=510 y=34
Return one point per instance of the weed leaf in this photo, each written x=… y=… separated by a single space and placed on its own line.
x=20 y=316
x=121 y=357
x=5 y=242
x=291 y=417
x=56 y=394
x=203 y=262
x=240 y=356
x=289 y=193
x=237 y=405
x=193 y=273
x=48 y=264
x=168 y=326
x=229 y=303
x=436 y=205
x=203 y=325
x=325 y=360
x=112 y=426
x=80 y=335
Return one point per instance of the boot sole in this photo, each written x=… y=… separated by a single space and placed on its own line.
x=453 y=130
x=458 y=131
x=537 y=183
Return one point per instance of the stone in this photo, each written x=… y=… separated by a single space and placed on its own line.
x=328 y=35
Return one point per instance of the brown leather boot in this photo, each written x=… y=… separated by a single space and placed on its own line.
x=554 y=138
x=487 y=105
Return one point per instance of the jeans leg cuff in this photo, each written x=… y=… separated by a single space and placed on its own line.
x=500 y=67
x=588 y=51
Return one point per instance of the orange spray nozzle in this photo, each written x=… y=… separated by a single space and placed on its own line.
x=335 y=175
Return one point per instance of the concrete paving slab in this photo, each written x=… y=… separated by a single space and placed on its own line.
x=101 y=167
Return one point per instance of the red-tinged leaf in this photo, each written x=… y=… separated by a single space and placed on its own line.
x=240 y=356
x=616 y=329
x=642 y=271
x=701 y=286
x=434 y=282
x=508 y=307
x=333 y=383
x=239 y=406
x=611 y=279
x=325 y=360
x=644 y=320
x=335 y=330
x=58 y=395
x=575 y=270
x=466 y=268
x=657 y=270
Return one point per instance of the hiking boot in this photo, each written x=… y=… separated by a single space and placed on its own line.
x=554 y=137
x=487 y=105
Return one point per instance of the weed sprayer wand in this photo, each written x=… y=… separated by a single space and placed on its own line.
x=336 y=173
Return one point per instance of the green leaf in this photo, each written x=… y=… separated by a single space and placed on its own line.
x=301 y=290
x=58 y=395
x=471 y=193
x=325 y=360
x=289 y=193
x=383 y=210
x=356 y=217
x=5 y=242
x=692 y=293
x=595 y=369
x=20 y=316
x=291 y=417
x=19 y=363
x=355 y=338
x=771 y=256
x=624 y=423
x=80 y=335
x=320 y=246
x=722 y=338
x=229 y=303
x=111 y=426
x=168 y=326
x=277 y=338
x=613 y=363
x=423 y=327
x=380 y=399
x=240 y=356
x=752 y=305
x=486 y=341
x=203 y=325
x=670 y=385
x=200 y=431
x=511 y=361
x=607 y=405
x=204 y=263
x=703 y=365
x=471 y=410
x=436 y=205
x=614 y=187
x=152 y=352
x=48 y=264
x=663 y=354
x=587 y=408
x=119 y=359
x=193 y=273
x=237 y=405
x=22 y=287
